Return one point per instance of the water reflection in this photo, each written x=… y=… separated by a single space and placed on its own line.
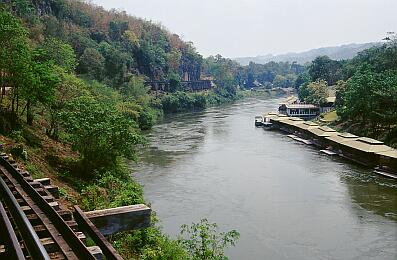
x=374 y=193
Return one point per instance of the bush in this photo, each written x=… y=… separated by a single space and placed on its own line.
x=183 y=102
x=147 y=118
x=203 y=241
x=100 y=133
x=18 y=151
x=110 y=191
x=16 y=135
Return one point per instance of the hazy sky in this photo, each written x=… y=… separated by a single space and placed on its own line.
x=235 y=28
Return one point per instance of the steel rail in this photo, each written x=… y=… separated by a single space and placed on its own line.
x=107 y=249
x=32 y=241
x=67 y=233
x=13 y=249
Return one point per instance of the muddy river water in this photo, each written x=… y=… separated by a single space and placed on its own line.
x=287 y=200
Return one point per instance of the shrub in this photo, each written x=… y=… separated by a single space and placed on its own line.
x=100 y=133
x=203 y=241
x=18 y=151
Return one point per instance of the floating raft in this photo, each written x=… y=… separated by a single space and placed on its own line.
x=328 y=152
x=385 y=172
x=300 y=139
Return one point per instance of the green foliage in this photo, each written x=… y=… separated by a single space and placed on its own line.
x=203 y=241
x=136 y=90
x=370 y=97
x=14 y=51
x=223 y=70
x=147 y=118
x=16 y=135
x=302 y=79
x=149 y=243
x=92 y=63
x=110 y=191
x=32 y=169
x=42 y=81
x=175 y=82
x=323 y=68
x=182 y=101
x=281 y=81
x=62 y=54
x=99 y=132
x=314 y=93
x=277 y=74
x=367 y=94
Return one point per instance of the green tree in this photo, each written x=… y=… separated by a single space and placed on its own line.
x=371 y=98
x=323 y=68
x=14 y=55
x=280 y=81
x=92 y=63
x=100 y=133
x=175 y=82
x=303 y=78
x=61 y=53
x=315 y=92
x=41 y=81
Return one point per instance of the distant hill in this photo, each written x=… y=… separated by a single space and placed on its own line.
x=342 y=52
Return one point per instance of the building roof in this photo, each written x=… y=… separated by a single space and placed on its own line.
x=301 y=106
x=293 y=121
x=391 y=153
x=308 y=125
x=347 y=135
x=279 y=118
x=369 y=141
x=364 y=146
x=323 y=131
x=341 y=138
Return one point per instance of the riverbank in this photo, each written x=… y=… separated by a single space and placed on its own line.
x=366 y=151
x=180 y=102
x=43 y=156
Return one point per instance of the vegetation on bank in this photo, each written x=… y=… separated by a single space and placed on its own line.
x=366 y=90
x=73 y=104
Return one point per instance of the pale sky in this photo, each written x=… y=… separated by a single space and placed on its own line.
x=236 y=28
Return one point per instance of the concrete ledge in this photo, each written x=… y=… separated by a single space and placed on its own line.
x=111 y=221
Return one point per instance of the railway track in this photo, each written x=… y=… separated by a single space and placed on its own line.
x=36 y=226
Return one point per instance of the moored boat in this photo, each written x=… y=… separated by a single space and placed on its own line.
x=267 y=125
x=258 y=121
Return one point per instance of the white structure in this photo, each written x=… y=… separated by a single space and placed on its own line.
x=301 y=110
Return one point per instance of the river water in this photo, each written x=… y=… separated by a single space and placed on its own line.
x=286 y=199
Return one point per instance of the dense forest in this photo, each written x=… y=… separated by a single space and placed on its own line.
x=365 y=86
x=74 y=101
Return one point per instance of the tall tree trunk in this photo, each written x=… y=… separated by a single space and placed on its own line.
x=29 y=114
x=13 y=102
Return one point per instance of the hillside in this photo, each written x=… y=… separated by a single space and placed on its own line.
x=73 y=102
x=342 y=52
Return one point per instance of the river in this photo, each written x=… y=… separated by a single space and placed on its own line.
x=287 y=200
